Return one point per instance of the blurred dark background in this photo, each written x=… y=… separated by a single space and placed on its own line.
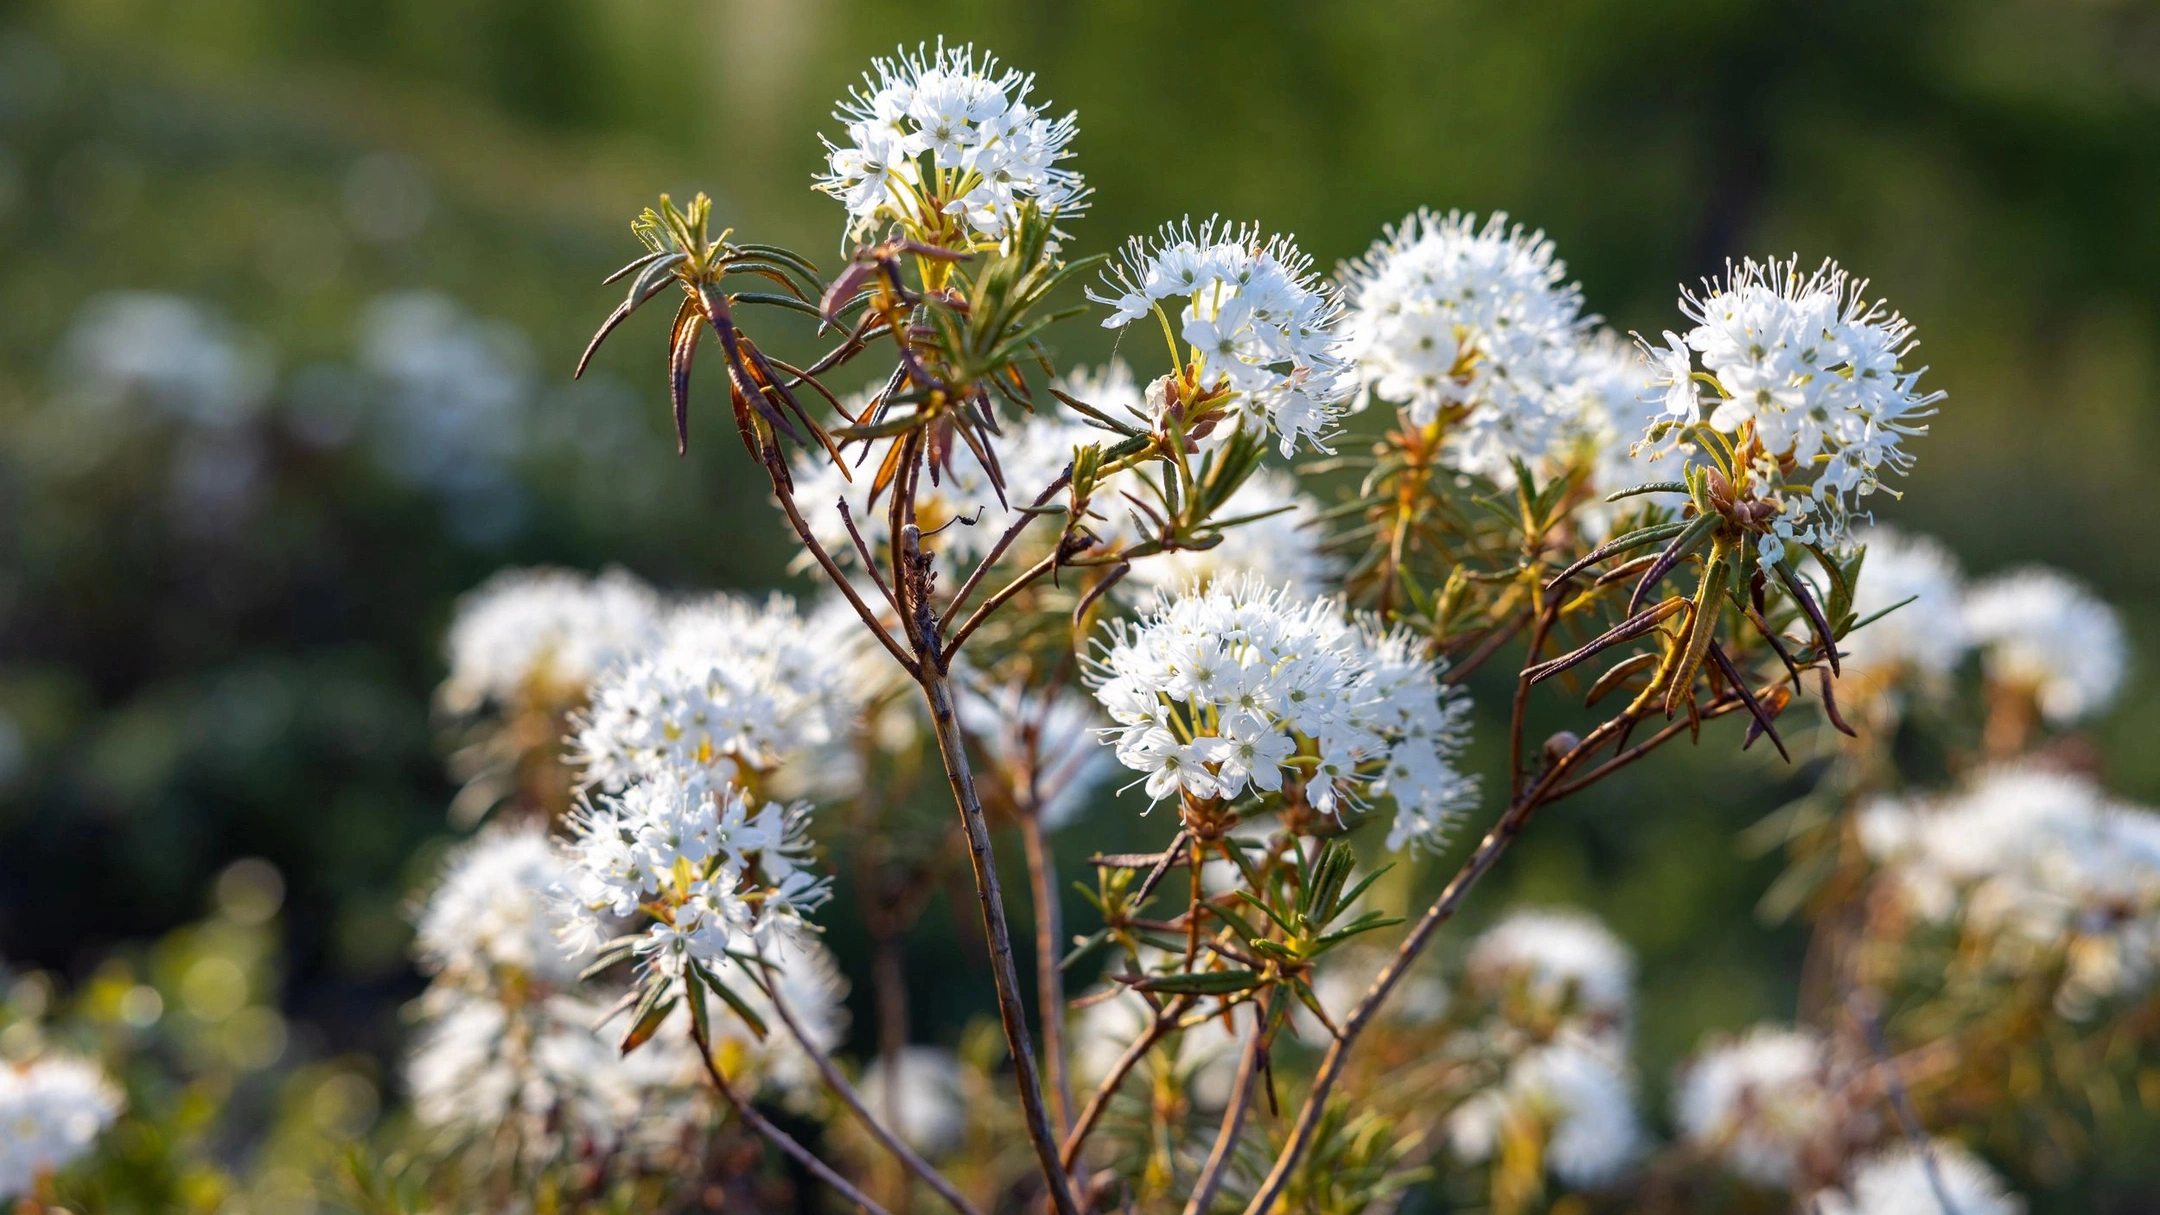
x=289 y=291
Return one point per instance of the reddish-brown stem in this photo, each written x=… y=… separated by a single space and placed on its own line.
x=779 y=1138
x=1457 y=672
x=1019 y=583
x=1049 y=977
x=778 y=472
x=1166 y=1019
x=1004 y=542
x=892 y=1143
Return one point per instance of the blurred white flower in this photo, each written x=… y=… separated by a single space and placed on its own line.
x=545 y=1071
x=52 y=1110
x=1603 y=394
x=1447 y=313
x=1564 y=961
x=919 y=1095
x=545 y=633
x=1758 y=1103
x=493 y=916
x=1579 y=1097
x=1282 y=549
x=1898 y=1181
x=169 y=352
x=2045 y=632
x=2034 y=862
x=1926 y=638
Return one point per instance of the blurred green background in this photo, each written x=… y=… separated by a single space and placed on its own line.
x=234 y=514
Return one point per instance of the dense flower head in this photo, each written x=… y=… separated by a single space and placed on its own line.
x=938 y=136
x=713 y=871
x=733 y=687
x=2034 y=863
x=2048 y=634
x=1816 y=372
x=1578 y=1097
x=1901 y=1180
x=1255 y=321
x=1759 y=1103
x=492 y=917
x=1237 y=687
x=1447 y=314
x=52 y=1110
x=1563 y=961
x=1044 y=740
x=544 y=1071
x=1926 y=637
x=545 y=634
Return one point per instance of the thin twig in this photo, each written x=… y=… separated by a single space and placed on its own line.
x=1457 y=672
x=779 y=1138
x=980 y=614
x=1166 y=1019
x=778 y=472
x=1233 y=1123
x=1862 y=1005
x=862 y=549
x=1004 y=542
x=1442 y=909
x=850 y=1098
x=945 y=724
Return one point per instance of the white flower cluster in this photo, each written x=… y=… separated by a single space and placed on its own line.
x=716 y=872
x=1566 y=963
x=1237 y=686
x=943 y=135
x=1899 y=1181
x=490 y=918
x=1572 y=1093
x=1048 y=742
x=1255 y=319
x=543 y=1071
x=51 y=1112
x=1561 y=989
x=1817 y=371
x=1605 y=400
x=545 y=634
x=1446 y=313
x=1926 y=638
x=2046 y=633
x=2034 y=862
x=1760 y=1104
x=731 y=688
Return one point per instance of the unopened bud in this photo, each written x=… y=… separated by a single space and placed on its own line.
x=1557 y=747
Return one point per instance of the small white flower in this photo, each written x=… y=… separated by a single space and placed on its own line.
x=545 y=634
x=51 y=1112
x=944 y=133
x=1818 y=372
x=2040 y=630
x=1899 y=1181
x=730 y=685
x=1758 y=1103
x=1236 y=687
x=1448 y=313
x=1258 y=324
x=710 y=867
